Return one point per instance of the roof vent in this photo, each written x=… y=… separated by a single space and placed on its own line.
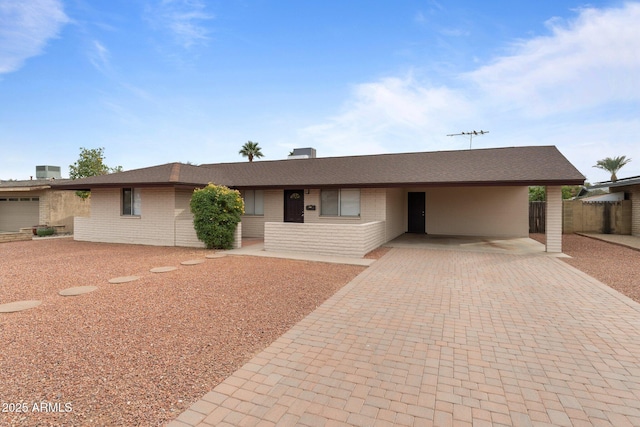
x=48 y=172
x=303 y=153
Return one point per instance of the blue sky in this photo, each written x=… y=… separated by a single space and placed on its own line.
x=158 y=81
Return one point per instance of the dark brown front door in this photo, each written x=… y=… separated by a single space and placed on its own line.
x=416 y=213
x=293 y=205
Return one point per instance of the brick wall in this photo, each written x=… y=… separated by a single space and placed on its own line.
x=154 y=226
x=165 y=219
x=14 y=237
x=352 y=240
x=185 y=233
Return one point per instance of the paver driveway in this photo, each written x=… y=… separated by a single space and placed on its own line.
x=440 y=337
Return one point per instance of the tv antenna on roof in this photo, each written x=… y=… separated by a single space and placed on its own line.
x=471 y=135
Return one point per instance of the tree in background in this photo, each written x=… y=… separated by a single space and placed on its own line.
x=90 y=163
x=538 y=193
x=612 y=165
x=250 y=150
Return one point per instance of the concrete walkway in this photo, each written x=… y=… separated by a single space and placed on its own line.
x=632 y=242
x=446 y=338
x=257 y=249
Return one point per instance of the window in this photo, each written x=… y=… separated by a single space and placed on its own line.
x=131 y=201
x=253 y=202
x=342 y=202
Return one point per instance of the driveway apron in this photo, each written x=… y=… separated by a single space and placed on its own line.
x=442 y=337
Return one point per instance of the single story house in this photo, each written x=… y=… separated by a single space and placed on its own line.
x=26 y=203
x=336 y=205
x=626 y=189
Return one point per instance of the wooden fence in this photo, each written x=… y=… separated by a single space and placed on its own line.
x=537 y=217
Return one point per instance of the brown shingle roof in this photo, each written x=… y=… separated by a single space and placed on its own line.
x=537 y=165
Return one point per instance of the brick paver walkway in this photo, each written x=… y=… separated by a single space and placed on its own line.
x=439 y=337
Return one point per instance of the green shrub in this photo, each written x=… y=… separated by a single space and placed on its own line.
x=216 y=213
x=45 y=231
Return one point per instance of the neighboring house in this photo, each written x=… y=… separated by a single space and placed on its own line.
x=630 y=188
x=336 y=205
x=25 y=203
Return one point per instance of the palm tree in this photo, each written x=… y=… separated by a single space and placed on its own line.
x=612 y=165
x=251 y=150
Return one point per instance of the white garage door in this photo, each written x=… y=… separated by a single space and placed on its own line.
x=18 y=212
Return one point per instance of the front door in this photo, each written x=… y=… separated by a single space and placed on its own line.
x=416 y=223
x=293 y=205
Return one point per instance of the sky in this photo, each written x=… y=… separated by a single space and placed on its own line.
x=160 y=81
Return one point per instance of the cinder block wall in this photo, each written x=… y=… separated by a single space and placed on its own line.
x=351 y=240
x=155 y=226
x=580 y=217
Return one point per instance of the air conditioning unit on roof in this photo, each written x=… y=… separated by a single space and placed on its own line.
x=303 y=153
x=48 y=172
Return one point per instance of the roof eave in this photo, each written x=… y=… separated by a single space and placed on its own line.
x=22 y=189
x=517 y=183
x=85 y=187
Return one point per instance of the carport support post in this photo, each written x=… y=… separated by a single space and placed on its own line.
x=553 y=224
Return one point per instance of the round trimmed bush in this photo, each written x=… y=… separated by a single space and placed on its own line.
x=216 y=213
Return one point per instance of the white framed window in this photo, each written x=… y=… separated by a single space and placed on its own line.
x=253 y=202
x=131 y=201
x=340 y=202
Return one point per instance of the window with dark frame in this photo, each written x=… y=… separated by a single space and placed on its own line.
x=131 y=201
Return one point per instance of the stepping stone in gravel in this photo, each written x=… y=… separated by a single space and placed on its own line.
x=18 y=306
x=78 y=290
x=217 y=255
x=162 y=269
x=192 y=262
x=123 y=279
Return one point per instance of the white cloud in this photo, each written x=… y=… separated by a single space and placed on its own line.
x=99 y=57
x=183 y=19
x=386 y=113
x=576 y=88
x=589 y=61
x=25 y=29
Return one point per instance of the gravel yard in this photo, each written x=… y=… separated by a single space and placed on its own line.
x=139 y=353
x=613 y=265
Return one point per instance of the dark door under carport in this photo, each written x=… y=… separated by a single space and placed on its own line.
x=416 y=207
